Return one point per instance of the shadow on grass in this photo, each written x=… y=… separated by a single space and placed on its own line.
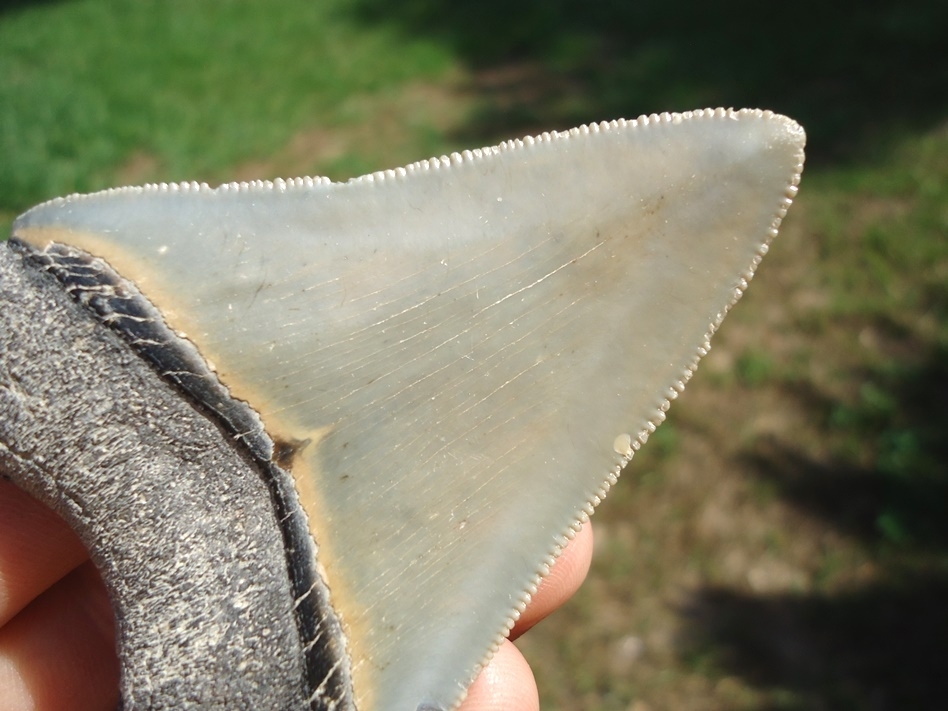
x=850 y=71
x=879 y=647
x=10 y=5
x=883 y=644
x=899 y=420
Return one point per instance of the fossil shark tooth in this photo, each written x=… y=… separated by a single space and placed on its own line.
x=454 y=359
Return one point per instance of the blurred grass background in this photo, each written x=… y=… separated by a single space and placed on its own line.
x=783 y=541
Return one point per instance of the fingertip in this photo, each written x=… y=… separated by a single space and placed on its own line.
x=566 y=575
x=505 y=684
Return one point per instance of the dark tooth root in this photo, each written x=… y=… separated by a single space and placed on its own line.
x=121 y=307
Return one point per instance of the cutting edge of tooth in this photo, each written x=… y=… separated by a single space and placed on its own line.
x=594 y=497
x=287 y=185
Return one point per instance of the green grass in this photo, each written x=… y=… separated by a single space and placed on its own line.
x=781 y=543
x=192 y=89
x=754 y=368
x=890 y=292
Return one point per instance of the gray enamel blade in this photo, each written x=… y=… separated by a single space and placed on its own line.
x=463 y=353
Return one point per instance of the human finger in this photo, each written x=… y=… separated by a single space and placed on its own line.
x=505 y=684
x=37 y=548
x=566 y=575
x=58 y=653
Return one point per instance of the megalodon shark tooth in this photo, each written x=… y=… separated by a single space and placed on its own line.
x=453 y=361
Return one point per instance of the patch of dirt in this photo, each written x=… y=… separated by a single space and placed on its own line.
x=140 y=168
x=313 y=147
x=373 y=136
